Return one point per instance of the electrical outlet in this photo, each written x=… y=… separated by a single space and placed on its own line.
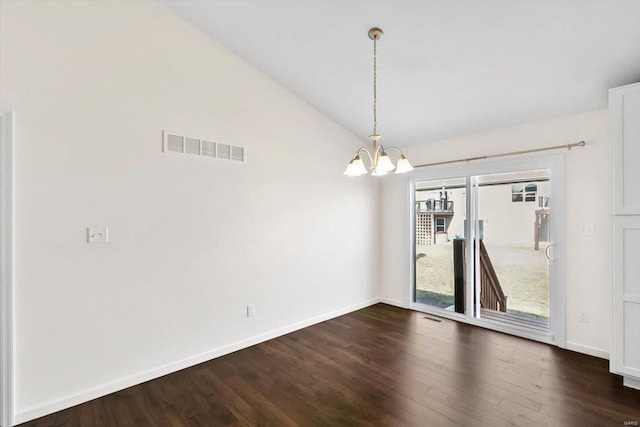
x=251 y=310
x=583 y=316
x=587 y=229
x=97 y=235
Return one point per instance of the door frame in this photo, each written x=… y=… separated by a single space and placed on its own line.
x=557 y=297
x=7 y=266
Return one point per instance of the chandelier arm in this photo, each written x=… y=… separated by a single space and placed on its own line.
x=386 y=150
x=368 y=154
x=359 y=150
x=394 y=148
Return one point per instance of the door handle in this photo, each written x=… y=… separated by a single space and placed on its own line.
x=547 y=252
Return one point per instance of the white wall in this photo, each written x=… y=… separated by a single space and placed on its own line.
x=588 y=171
x=192 y=240
x=507 y=222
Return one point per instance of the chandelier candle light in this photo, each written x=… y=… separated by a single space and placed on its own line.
x=380 y=163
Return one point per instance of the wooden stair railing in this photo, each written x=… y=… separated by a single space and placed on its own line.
x=491 y=294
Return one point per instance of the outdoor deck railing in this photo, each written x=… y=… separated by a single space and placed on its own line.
x=491 y=294
x=434 y=206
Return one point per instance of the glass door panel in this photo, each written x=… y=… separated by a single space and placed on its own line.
x=440 y=221
x=512 y=239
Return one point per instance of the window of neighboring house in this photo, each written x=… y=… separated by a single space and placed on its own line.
x=530 y=191
x=440 y=225
x=524 y=193
x=517 y=193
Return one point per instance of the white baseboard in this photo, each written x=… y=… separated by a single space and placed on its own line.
x=591 y=351
x=394 y=302
x=102 y=390
x=631 y=382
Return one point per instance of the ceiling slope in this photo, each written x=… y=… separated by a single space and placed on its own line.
x=445 y=68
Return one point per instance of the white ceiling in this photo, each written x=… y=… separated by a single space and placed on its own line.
x=445 y=68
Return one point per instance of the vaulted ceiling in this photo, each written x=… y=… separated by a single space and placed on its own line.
x=445 y=68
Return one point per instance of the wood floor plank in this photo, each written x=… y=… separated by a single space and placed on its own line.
x=379 y=366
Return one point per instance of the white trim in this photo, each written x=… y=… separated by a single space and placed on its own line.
x=557 y=300
x=631 y=382
x=93 y=393
x=557 y=264
x=616 y=303
x=586 y=349
x=394 y=302
x=473 y=231
x=6 y=265
x=410 y=290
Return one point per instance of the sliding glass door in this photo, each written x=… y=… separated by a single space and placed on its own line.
x=486 y=246
x=440 y=209
x=512 y=243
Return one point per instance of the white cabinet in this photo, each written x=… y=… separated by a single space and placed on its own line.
x=625 y=354
x=624 y=125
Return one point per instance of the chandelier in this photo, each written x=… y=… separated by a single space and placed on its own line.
x=379 y=161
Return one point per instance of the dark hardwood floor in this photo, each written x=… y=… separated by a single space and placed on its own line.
x=378 y=366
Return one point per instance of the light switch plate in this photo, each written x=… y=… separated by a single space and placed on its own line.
x=251 y=310
x=97 y=234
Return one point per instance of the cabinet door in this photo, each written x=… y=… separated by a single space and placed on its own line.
x=624 y=125
x=626 y=296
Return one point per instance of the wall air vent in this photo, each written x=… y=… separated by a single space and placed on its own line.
x=237 y=154
x=199 y=147
x=173 y=143
x=192 y=146
x=208 y=148
x=224 y=151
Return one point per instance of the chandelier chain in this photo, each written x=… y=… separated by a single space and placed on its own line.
x=375 y=93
